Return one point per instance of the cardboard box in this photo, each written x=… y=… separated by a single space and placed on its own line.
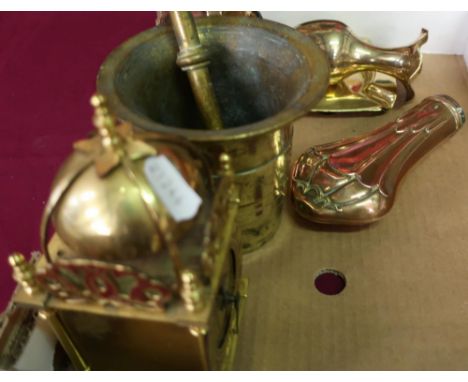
x=405 y=304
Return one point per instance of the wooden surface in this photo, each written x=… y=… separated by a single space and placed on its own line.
x=405 y=305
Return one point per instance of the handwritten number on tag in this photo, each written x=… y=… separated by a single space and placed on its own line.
x=180 y=200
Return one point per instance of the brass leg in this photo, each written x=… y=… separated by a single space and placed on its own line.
x=59 y=330
x=234 y=327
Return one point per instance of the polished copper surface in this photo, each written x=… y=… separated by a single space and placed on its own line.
x=364 y=77
x=354 y=181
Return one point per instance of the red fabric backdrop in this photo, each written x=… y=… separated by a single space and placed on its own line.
x=48 y=66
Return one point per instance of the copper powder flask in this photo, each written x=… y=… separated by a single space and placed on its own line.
x=354 y=181
x=265 y=75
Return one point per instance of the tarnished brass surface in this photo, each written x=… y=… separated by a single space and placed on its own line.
x=354 y=181
x=363 y=78
x=194 y=60
x=260 y=93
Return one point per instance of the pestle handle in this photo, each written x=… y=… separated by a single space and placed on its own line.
x=193 y=59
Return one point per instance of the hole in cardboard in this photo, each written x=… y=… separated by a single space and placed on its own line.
x=330 y=282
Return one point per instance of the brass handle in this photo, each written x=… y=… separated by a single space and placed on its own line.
x=193 y=59
x=383 y=70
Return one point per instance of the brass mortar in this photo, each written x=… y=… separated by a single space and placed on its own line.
x=265 y=76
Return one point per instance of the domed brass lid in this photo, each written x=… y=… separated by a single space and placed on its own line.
x=121 y=199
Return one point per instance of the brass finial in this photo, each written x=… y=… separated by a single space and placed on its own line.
x=225 y=164
x=23 y=272
x=191 y=291
x=97 y=100
x=112 y=145
x=104 y=122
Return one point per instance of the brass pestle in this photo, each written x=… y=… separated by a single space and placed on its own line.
x=193 y=59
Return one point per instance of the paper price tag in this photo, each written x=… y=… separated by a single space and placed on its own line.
x=180 y=200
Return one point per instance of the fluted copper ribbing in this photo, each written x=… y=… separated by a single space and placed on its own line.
x=354 y=181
